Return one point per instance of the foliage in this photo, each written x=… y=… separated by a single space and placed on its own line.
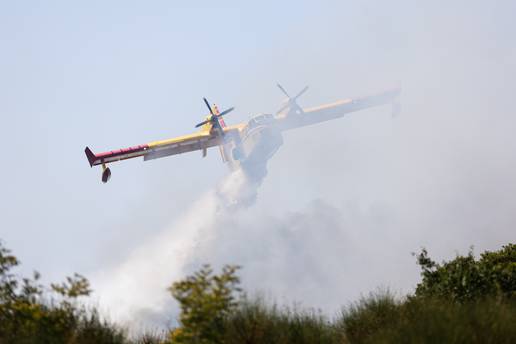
x=430 y=320
x=205 y=299
x=73 y=287
x=30 y=314
x=256 y=322
x=369 y=315
x=461 y=301
x=466 y=279
x=464 y=300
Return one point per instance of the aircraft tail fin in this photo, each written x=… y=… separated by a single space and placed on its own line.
x=91 y=157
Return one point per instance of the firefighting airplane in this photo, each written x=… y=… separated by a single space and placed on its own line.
x=246 y=145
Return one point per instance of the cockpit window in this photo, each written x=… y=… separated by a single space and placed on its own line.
x=260 y=120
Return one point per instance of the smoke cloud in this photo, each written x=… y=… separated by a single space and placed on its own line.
x=309 y=257
x=345 y=202
x=135 y=290
x=348 y=201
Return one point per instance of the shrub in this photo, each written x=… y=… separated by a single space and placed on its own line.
x=205 y=299
x=428 y=320
x=466 y=279
x=33 y=313
x=253 y=321
x=461 y=301
x=369 y=315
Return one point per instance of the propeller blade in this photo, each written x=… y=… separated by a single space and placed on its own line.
x=225 y=112
x=283 y=90
x=202 y=123
x=300 y=93
x=208 y=105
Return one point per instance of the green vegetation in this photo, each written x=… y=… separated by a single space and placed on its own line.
x=382 y=319
x=461 y=301
x=466 y=279
x=464 y=300
x=33 y=313
x=205 y=300
x=256 y=322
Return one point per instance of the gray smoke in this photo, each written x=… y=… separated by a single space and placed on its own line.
x=312 y=256
x=348 y=201
x=320 y=257
x=134 y=291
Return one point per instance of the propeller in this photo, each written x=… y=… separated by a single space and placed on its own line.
x=208 y=105
x=283 y=90
x=290 y=102
x=214 y=118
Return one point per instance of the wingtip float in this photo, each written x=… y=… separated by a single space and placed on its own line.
x=248 y=144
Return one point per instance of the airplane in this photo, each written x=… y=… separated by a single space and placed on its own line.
x=245 y=145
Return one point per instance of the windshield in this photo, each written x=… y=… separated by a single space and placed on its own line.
x=260 y=120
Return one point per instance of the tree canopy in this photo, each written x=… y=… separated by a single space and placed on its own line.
x=466 y=278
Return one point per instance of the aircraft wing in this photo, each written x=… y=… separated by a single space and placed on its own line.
x=335 y=110
x=157 y=149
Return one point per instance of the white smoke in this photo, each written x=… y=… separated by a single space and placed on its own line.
x=135 y=291
x=310 y=256
x=322 y=256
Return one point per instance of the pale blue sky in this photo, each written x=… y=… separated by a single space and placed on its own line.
x=119 y=73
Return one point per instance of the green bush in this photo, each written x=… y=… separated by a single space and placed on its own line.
x=428 y=320
x=461 y=301
x=33 y=313
x=464 y=300
x=369 y=315
x=256 y=322
x=211 y=313
x=467 y=279
x=205 y=299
